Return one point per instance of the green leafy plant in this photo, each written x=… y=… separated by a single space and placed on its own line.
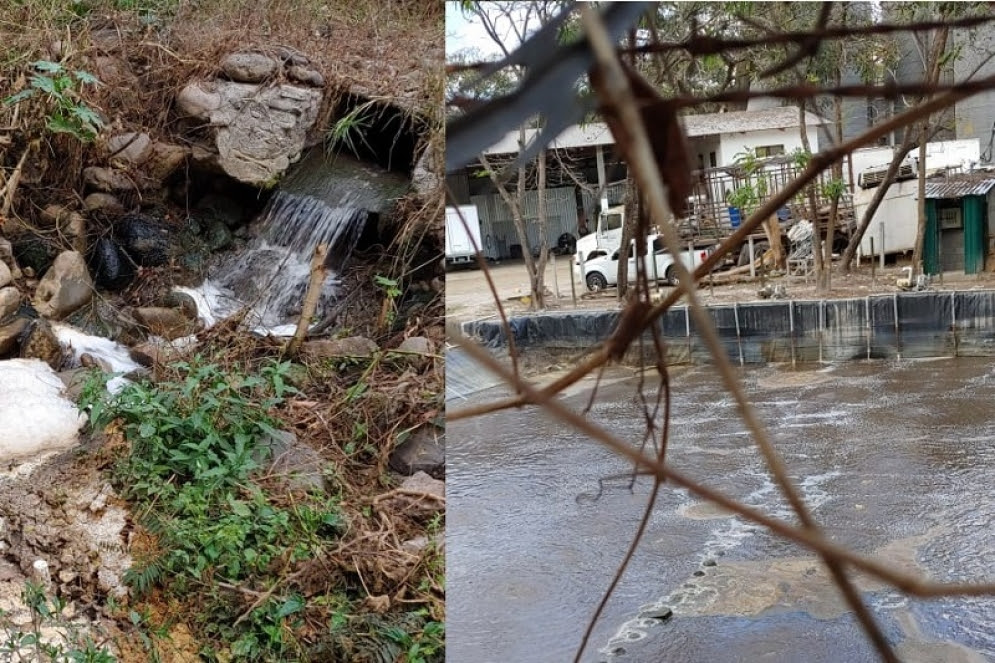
x=196 y=443
x=392 y=289
x=350 y=129
x=61 y=89
x=50 y=637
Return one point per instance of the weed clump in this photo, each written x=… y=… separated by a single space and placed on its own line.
x=195 y=444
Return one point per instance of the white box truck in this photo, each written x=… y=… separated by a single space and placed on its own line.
x=462 y=240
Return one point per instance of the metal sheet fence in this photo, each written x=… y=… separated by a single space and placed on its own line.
x=894 y=326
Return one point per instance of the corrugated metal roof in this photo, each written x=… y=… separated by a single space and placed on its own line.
x=708 y=124
x=958 y=187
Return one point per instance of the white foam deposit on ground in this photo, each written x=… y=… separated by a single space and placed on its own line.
x=35 y=416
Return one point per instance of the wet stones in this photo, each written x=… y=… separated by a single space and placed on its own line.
x=40 y=342
x=65 y=287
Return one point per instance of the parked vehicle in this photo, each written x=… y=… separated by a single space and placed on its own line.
x=601 y=271
x=605 y=239
x=462 y=241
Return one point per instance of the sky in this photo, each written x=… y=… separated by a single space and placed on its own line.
x=466 y=32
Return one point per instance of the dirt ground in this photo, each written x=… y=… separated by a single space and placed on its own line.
x=468 y=296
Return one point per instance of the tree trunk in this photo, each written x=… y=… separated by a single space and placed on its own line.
x=538 y=284
x=812 y=204
x=921 y=203
x=629 y=225
x=835 y=204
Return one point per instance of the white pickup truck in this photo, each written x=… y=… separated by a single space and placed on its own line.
x=601 y=271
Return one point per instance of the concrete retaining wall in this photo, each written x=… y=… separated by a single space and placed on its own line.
x=906 y=325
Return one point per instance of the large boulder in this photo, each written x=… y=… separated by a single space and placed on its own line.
x=65 y=287
x=258 y=130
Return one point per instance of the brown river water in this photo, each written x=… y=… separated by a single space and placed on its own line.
x=895 y=459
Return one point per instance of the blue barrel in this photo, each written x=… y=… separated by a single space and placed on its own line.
x=735 y=217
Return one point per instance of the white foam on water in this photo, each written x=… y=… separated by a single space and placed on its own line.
x=723 y=539
x=35 y=416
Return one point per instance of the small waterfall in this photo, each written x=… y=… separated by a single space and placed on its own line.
x=324 y=201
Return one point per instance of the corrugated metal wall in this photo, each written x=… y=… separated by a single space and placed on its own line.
x=497 y=229
x=974 y=234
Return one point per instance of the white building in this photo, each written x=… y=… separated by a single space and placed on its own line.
x=715 y=139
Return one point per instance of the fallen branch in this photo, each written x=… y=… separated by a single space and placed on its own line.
x=317 y=278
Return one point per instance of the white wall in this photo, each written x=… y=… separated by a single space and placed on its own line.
x=898 y=212
x=735 y=143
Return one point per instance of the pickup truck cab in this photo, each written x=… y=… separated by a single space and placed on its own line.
x=601 y=271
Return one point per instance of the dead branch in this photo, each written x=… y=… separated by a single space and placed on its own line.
x=315 y=281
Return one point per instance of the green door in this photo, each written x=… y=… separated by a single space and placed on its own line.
x=975 y=239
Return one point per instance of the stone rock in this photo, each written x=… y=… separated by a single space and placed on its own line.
x=10 y=333
x=421 y=482
x=103 y=202
x=40 y=342
x=65 y=287
x=228 y=210
x=351 y=346
x=158 y=352
x=131 y=148
x=217 y=235
x=111 y=270
x=300 y=466
x=417 y=352
x=290 y=56
x=165 y=160
x=198 y=100
x=7 y=257
x=305 y=75
x=249 y=67
x=5 y=276
x=259 y=131
x=423 y=451
x=426 y=177
x=168 y=323
x=106 y=179
x=10 y=301
x=417 y=344
x=662 y=614
x=115 y=71
x=183 y=301
x=70 y=223
x=144 y=239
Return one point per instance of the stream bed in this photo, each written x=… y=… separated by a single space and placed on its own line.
x=893 y=458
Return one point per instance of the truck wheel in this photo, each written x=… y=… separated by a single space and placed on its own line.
x=672 y=278
x=596 y=282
